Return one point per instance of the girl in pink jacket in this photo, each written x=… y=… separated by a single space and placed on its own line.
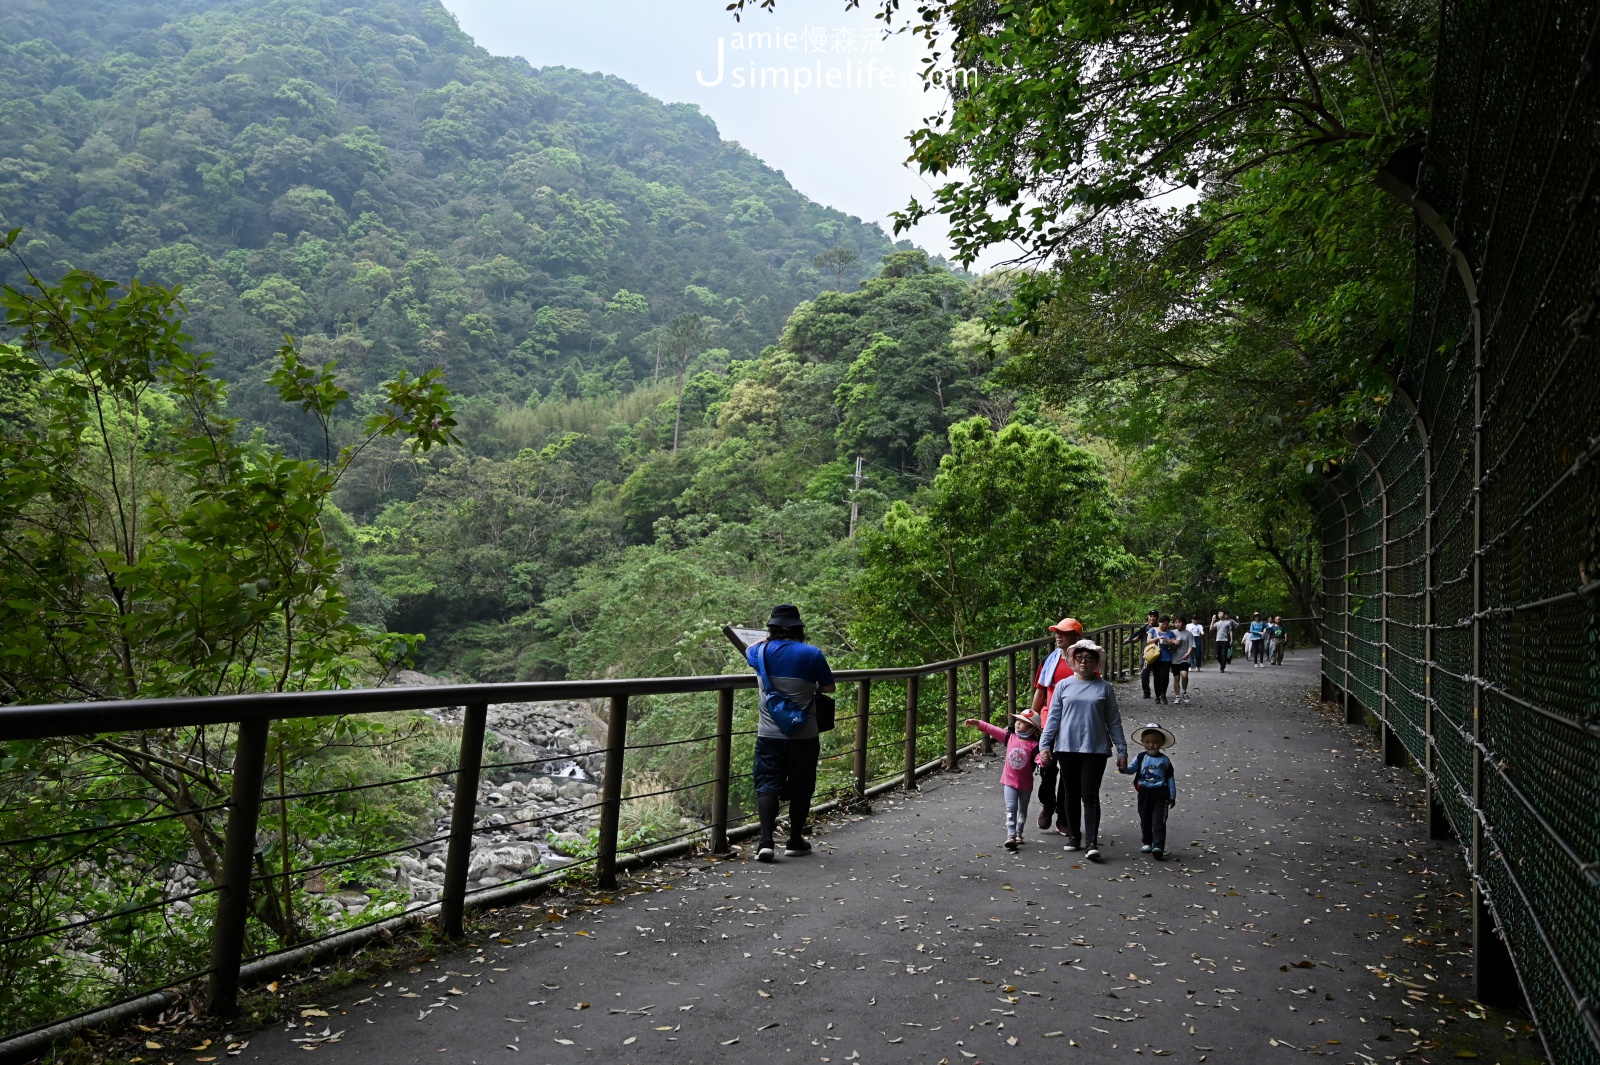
x=1016 y=779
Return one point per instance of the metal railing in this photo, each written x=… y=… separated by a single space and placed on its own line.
x=887 y=743
x=1460 y=559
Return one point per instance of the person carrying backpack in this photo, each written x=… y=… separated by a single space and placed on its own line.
x=793 y=677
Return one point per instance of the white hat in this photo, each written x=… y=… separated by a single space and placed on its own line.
x=1088 y=645
x=1167 y=738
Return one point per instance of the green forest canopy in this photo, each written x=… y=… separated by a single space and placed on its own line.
x=659 y=395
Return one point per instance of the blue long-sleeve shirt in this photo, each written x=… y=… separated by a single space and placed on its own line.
x=1084 y=719
x=1154 y=771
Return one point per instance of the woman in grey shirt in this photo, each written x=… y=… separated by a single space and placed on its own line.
x=1083 y=727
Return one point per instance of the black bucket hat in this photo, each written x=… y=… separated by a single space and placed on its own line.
x=785 y=616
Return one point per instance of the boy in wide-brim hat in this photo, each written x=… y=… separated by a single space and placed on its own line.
x=1156 y=784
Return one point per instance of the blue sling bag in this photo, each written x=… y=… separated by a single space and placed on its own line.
x=786 y=712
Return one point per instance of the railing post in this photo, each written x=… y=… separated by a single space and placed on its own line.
x=863 y=718
x=238 y=854
x=950 y=719
x=911 y=733
x=984 y=709
x=611 y=792
x=463 y=815
x=719 y=790
x=1011 y=683
x=1033 y=663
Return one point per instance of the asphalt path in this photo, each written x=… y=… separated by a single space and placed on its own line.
x=1301 y=910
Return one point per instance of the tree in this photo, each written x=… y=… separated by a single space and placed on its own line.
x=837 y=261
x=685 y=339
x=1017 y=526
x=152 y=549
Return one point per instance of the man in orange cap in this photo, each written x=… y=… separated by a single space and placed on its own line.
x=1055 y=669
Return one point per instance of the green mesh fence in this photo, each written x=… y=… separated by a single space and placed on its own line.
x=1461 y=543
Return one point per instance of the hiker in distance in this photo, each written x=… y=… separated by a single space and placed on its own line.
x=1083 y=727
x=794 y=680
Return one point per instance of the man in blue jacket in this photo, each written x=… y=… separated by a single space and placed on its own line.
x=786 y=762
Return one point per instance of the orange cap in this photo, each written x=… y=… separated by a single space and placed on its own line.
x=1067 y=625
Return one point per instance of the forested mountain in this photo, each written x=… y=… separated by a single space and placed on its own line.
x=665 y=364
x=370 y=180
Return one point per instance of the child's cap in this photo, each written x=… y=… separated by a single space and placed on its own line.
x=1167 y=738
x=1027 y=717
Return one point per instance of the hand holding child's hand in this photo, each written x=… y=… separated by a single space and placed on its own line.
x=1044 y=757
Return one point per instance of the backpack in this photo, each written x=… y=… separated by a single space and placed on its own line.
x=787 y=712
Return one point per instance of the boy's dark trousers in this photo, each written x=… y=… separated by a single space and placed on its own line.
x=1047 y=793
x=1153 y=817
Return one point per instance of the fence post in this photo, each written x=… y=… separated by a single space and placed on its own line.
x=239 y=848
x=950 y=719
x=863 y=718
x=611 y=792
x=719 y=790
x=463 y=813
x=1438 y=823
x=1011 y=683
x=911 y=733
x=984 y=709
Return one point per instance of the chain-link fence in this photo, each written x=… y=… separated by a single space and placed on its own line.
x=1462 y=541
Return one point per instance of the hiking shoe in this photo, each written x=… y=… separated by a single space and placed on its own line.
x=795 y=848
x=1147 y=695
x=1044 y=817
x=1146 y=849
x=1011 y=843
x=1092 y=852
x=1157 y=853
x=1073 y=844
x=765 y=852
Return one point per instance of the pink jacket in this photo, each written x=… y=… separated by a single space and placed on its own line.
x=1019 y=756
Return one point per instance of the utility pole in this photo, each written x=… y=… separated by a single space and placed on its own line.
x=853 y=503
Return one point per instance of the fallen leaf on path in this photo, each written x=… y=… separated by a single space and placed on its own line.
x=564 y=1042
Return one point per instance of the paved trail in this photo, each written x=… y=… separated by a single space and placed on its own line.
x=1301 y=910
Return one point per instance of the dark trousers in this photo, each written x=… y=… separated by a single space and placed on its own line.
x=1079 y=798
x=1153 y=817
x=1144 y=677
x=1163 y=672
x=1048 y=800
x=1224 y=653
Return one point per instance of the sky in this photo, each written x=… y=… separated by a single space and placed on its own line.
x=836 y=125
